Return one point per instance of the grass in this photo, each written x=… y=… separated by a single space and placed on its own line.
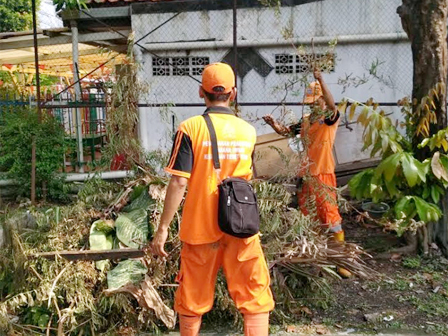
x=434 y=305
x=412 y=262
x=437 y=329
x=401 y=284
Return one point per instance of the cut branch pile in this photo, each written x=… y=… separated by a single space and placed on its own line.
x=138 y=293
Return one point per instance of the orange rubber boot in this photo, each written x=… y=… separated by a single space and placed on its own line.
x=340 y=238
x=189 y=325
x=256 y=324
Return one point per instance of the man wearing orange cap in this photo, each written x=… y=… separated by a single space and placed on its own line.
x=205 y=247
x=318 y=131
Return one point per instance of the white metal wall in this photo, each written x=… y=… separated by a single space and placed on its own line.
x=352 y=21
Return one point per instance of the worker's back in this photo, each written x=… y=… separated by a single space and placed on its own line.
x=192 y=158
x=319 y=138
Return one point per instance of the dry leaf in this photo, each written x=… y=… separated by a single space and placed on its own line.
x=157 y=191
x=427 y=276
x=395 y=257
x=148 y=298
x=291 y=329
x=321 y=330
x=437 y=168
x=306 y=311
x=154 y=301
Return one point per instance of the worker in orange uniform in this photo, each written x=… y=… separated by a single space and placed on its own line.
x=205 y=247
x=318 y=131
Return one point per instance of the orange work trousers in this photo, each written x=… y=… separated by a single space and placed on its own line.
x=322 y=189
x=245 y=269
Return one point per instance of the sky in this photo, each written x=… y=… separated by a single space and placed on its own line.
x=47 y=17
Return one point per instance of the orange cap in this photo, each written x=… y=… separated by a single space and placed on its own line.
x=218 y=74
x=313 y=92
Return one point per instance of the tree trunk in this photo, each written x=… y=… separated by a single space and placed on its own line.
x=425 y=22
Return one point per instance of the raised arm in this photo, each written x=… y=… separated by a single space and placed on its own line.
x=328 y=97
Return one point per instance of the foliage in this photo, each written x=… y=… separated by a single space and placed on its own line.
x=17 y=131
x=19 y=82
x=97 y=193
x=297 y=253
x=69 y=4
x=16 y=15
x=100 y=238
x=38 y=316
x=123 y=115
x=127 y=271
x=132 y=228
x=413 y=183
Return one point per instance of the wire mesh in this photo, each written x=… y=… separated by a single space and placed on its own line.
x=359 y=43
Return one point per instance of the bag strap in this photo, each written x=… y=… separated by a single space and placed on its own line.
x=214 y=141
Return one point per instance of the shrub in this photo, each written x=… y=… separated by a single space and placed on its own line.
x=17 y=130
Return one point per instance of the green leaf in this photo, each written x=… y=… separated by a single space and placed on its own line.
x=410 y=169
x=437 y=213
x=374 y=135
x=384 y=143
x=137 y=191
x=391 y=187
x=100 y=240
x=403 y=208
x=43 y=320
x=422 y=169
x=426 y=191
x=106 y=226
x=360 y=184
x=424 y=143
x=444 y=161
x=435 y=195
x=426 y=211
x=376 y=148
x=142 y=201
x=422 y=209
x=127 y=271
x=440 y=189
x=388 y=167
x=132 y=228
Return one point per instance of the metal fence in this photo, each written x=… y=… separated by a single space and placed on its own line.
x=359 y=44
x=92 y=109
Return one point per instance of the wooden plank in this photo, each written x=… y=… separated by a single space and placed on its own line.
x=357 y=166
x=93 y=255
x=268 y=162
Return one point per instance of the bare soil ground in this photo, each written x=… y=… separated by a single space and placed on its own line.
x=413 y=294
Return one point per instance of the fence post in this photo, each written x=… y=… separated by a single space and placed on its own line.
x=39 y=113
x=78 y=96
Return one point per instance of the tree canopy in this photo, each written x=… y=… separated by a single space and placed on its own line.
x=16 y=15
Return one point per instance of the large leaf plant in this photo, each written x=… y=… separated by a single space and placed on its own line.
x=412 y=176
x=131 y=229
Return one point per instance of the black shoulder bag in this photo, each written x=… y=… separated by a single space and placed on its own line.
x=238 y=213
